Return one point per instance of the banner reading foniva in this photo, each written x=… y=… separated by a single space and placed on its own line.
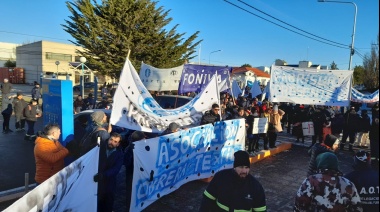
x=163 y=164
x=310 y=86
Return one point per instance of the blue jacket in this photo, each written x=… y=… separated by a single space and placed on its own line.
x=109 y=168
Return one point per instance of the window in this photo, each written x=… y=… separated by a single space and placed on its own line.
x=58 y=56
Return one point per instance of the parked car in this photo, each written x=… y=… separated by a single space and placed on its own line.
x=172 y=101
x=87 y=85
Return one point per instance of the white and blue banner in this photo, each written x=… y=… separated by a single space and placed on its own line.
x=134 y=108
x=163 y=164
x=195 y=77
x=357 y=96
x=71 y=189
x=158 y=79
x=310 y=86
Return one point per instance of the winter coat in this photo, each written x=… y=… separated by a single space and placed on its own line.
x=18 y=106
x=365 y=123
x=351 y=121
x=30 y=112
x=36 y=92
x=337 y=124
x=315 y=150
x=275 y=120
x=209 y=118
x=6 y=88
x=374 y=133
x=6 y=105
x=49 y=156
x=327 y=191
x=319 y=119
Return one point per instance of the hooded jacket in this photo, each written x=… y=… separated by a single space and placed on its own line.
x=49 y=156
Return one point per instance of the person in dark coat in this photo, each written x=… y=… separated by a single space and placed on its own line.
x=319 y=121
x=211 y=116
x=331 y=144
x=366 y=181
x=18 y=105
x=110 y=162
x=374 y=140
x=350 y=127
x=337 y=122
x=234 y=189
x=36 y=92
x=6 y=111
x=5 y=88
x=299 y=116
x=364 y=127
x=31 y=113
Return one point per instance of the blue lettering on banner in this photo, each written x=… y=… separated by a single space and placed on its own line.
x=147 y=72
x=194 y=152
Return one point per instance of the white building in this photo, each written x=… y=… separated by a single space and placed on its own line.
x=244 y=74
x=7 y=52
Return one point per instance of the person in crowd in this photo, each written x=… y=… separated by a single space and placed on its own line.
x=375 y=110
x=275 y=116
x=253 y=139
x=96 y=133
x=104 y=104
x=89 y=102
x=255 y=106
x=366 y=181
x=6 y=111
x=234 y=189
x=78 y=104
x=350 y=127
x=49 y=153
x=110 y=162
x=31 y=113
x=211 y=116
x=327 y=190
x=337 y=122
x=364 y=127
x=36 y=92
x=374 y=140
x=128 y=163
x=172 y=128
x=331 y=144
x=5 y=88
x=104 y=91
x=319 y=120
x=18 y=106
x=299 y=116
x=243 y=103
x=226 y=115
x=286 y=119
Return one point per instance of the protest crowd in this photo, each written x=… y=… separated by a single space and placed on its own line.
x=325 y=188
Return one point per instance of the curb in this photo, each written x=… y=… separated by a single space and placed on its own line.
x=283 y=146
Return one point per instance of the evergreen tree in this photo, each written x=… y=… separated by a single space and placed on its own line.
x=359 y=75
x=107 y=30
x=334 y=66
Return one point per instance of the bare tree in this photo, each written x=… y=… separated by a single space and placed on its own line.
x=371 y=66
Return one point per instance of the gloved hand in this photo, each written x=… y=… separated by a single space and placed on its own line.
x=98 y=177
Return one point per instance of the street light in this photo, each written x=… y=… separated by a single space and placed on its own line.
x=57 y=63
x=352 y=51
x=82 y=60
x=209 y=56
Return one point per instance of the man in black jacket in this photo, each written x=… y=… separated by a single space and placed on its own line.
x=234 y=189
x=211 y=116
x=350 y=127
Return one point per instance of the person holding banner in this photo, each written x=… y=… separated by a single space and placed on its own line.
x=110 y=162
x=49 y=153
x=234 y=189
x=319 y=121
x=211 y=116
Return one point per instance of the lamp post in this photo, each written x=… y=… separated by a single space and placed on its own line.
x=82 y=60
x=209 y=56
x=57 y=63
x=352 y=51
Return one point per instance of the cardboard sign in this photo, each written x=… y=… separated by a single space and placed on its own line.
x=308 y=128
x=260 y=125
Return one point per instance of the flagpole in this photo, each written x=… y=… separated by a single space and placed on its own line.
x=218 y=94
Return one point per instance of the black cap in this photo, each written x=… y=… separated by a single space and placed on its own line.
x=241 y=159
x=137 y=135
x=19 y=94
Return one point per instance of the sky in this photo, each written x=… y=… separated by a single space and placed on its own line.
x=232 y=26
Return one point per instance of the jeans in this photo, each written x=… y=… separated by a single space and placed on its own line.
x=7 y=118
x=30 y=127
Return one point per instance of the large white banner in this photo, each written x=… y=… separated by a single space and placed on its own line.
x=158 y=79
x=71 y=189
x=134 y=107
x=163 y=164
x=310 y=86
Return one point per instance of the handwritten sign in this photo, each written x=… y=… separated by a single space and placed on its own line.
x=308 y=128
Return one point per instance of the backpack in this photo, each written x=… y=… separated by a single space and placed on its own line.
x=24 y=111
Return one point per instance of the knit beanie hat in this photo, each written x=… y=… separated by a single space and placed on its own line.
x=331 y=140
x=241 y=159
x=137 y=135
x=173 y=126
x=97 y=117
x=327 y=160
